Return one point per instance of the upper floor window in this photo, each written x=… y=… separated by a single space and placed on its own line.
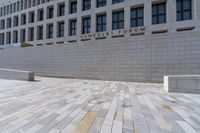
x=72 y=27
x=1 y=38
x=23 y=19
x=101 y=23
x=18 y=4
x=33 y=2
x=61 y=29
x=183 y=10
x=9 y=22
x=16 y=21
x=40 y=14
x=2 y=24
x=49 y=31
x=22 y=4
x=22 y=35
x=101 y=3
x=117 y=1
x=86 y=27
x=50 y=12
x=118 y=20
x=42 y=1
x=31 y=34
x=159 y=13
x=40 y=32
x=15 y=36
x=61 y=10
x=73 y=7
x=31 y=17
x=86 y=5
x=137 y=17
x=8 y=38
x=38 y=2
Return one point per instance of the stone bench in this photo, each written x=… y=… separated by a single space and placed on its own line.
x=182 y=84
x=16 y=74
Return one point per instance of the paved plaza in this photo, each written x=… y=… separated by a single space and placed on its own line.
x=52 y=105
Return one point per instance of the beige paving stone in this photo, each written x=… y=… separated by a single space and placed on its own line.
x=86 y=122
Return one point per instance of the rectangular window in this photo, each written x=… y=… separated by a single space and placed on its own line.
x=49 y=31
x=39 y=32
x=101 y=23
x=50 y=12
x=8 y=11
x=86 y=5
x=18 y=4
x=61 y=29
x=14 y=8
x=118 y=20
x=29 y=3
x=183 y=10
x=2 y=24
x=159 y=13
x=38 y=2
x=16 y=21
x=23 y=19
x=137 y=17
x=72 y=31
x=86 y=27
x=40 y=14
x=31 y=34
x=2 y=39
x=31 y=17
x=22 y=4
x=23 y=35
x=42 y=1
x=15 y=36
x=73 y=7
x=9 y=22
x=117 y=1
x=11 y=8
x=61 y=10
x=33 y=2
x=101 y=3
x=25 y=4
x=8 y=38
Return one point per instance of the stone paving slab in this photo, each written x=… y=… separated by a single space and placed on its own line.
x=53 y=105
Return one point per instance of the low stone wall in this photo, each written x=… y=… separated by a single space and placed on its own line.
x=182 y=84
x=16 y=74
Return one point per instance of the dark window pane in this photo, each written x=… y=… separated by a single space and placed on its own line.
x=184 y=10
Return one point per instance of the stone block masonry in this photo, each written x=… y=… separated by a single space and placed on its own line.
x=143 y=58
x=16 y=74
x=182 y=84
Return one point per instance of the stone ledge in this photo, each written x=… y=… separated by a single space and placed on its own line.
x=182 y=83
x=16 y=74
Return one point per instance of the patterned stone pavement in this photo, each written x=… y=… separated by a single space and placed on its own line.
x=52 y=105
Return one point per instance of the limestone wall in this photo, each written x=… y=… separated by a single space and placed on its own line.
x=144 y=58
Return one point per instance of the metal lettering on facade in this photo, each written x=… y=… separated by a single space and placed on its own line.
x=114 y=33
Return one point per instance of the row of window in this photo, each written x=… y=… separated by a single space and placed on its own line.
x=24 y=4
x=136 y=19
x=184 y=12
x=20 y=5
x=40 y=29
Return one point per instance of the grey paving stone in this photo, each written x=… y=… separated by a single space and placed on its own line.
x=53 y=105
